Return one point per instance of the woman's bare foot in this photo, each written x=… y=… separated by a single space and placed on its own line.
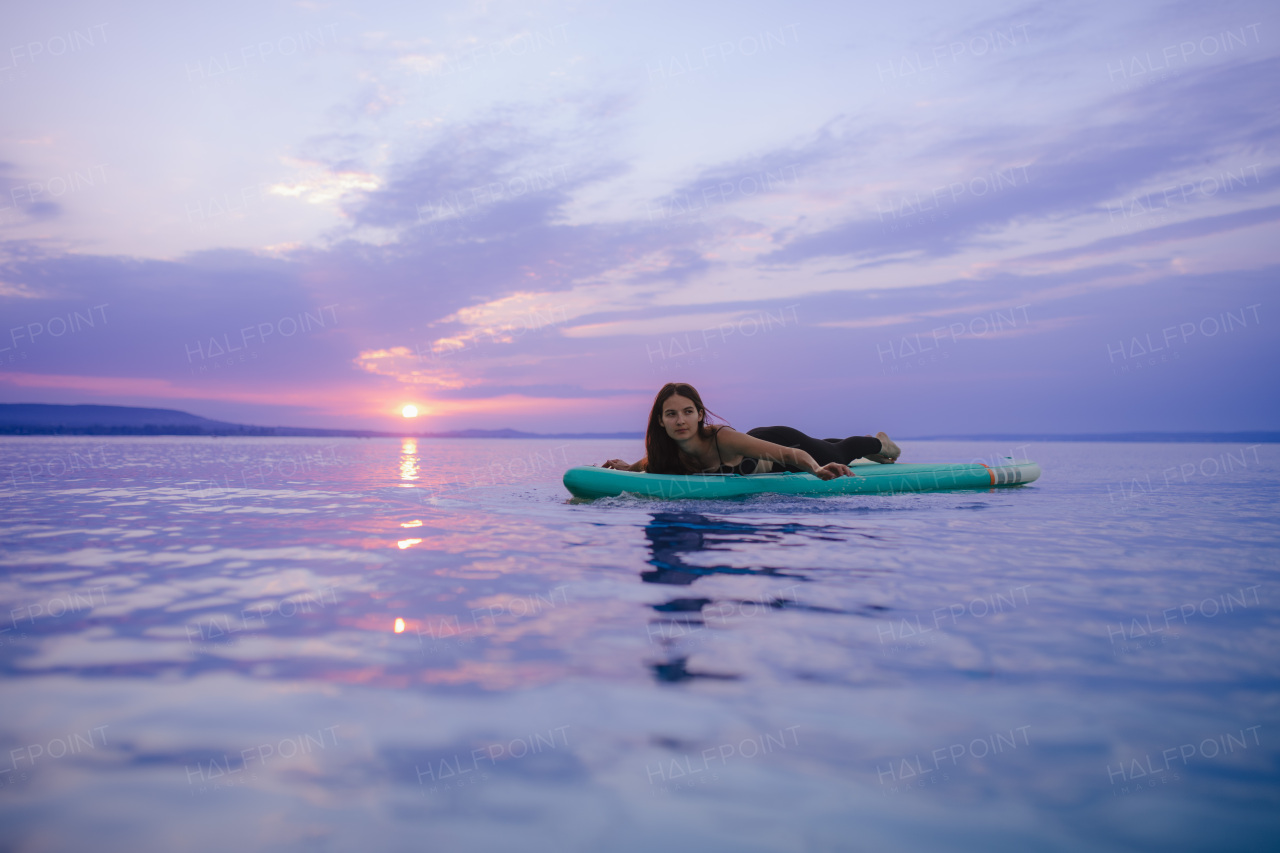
x=889 y=451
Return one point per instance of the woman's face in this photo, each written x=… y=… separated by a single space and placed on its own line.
x=680 y=417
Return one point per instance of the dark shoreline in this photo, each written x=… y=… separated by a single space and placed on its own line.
x=51 y=419
x=289 y=432
x=292 y=432
x=31 y=419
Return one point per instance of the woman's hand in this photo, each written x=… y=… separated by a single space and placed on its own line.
x=618 y=464
x=832 y=470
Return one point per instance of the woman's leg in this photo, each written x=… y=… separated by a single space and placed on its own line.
x=843 y=451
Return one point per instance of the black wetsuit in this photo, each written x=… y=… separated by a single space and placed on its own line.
x=824 y=450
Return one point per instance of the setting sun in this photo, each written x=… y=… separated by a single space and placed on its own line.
x=410 y=411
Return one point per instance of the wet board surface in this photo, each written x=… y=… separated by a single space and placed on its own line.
x=869 y=478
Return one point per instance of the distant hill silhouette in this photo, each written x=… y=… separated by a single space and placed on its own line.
x=42 y=417
x=51 y=419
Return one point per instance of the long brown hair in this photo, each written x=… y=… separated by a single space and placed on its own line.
x=662 y=453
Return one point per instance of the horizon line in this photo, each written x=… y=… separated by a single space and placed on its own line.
x=210 y=427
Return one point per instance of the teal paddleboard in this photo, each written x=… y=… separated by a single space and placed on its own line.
x=869 y=478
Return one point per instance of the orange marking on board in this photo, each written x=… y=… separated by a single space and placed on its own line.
x=990 y=473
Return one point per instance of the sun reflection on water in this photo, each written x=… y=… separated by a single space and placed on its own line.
x=408 y=461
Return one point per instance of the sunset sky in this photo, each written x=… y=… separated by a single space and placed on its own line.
x=926 y=218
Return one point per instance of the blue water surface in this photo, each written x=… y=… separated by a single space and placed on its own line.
x=349 y=644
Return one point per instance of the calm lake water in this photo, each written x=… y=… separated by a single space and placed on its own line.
x=200 y=652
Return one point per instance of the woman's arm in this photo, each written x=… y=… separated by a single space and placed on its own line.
x=622 y=465
x=748 y=445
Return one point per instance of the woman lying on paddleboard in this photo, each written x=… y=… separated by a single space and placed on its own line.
x=679 y=441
